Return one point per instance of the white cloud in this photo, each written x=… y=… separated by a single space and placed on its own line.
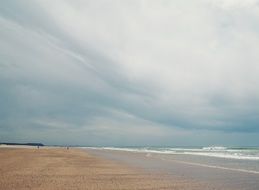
x=235 y=4
x=173 y=64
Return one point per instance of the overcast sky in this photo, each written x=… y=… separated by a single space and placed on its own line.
x=120 y=73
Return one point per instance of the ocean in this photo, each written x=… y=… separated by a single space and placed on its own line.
x=241 y=153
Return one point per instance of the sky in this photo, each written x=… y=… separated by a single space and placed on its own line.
x=130 y=73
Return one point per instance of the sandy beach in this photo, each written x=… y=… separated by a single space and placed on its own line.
x=58 y=168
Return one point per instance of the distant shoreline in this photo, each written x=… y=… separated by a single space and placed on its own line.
x=22 y=144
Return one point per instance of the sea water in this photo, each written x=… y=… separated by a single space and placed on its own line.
x=229 y=167
x=243 y=159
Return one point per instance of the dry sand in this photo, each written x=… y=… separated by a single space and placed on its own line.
x=58 y=168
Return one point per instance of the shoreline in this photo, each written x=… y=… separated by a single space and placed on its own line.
x=82 y=168
x=219 y=173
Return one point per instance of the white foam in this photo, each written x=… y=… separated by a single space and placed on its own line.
x=212 y=166
x=215 y=148
x=219 y=152
x=139 y=150
x=225 y=155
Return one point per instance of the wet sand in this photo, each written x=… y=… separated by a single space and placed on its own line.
x=58 y=168
x=217 y=173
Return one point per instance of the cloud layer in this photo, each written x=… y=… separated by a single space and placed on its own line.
x=130 y=73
